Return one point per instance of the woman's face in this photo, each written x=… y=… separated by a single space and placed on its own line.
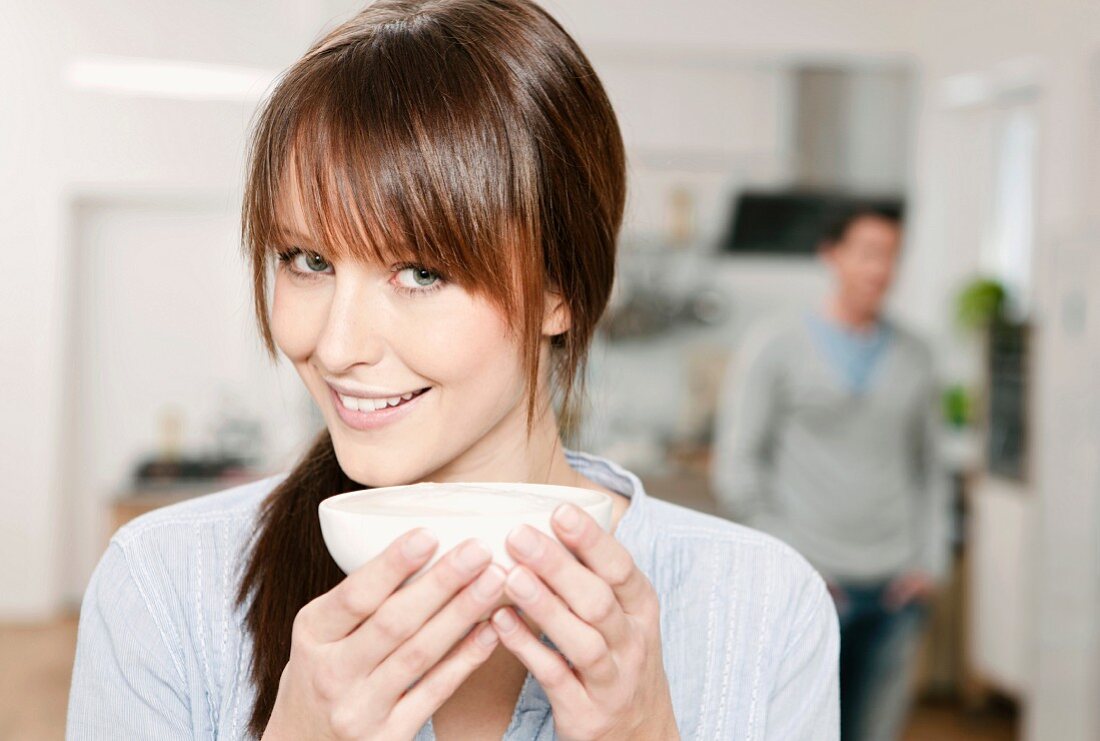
x=387 y=331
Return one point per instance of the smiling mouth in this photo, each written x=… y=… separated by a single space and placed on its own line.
x=358 y=404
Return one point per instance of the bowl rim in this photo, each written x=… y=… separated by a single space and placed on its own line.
x=578 y=495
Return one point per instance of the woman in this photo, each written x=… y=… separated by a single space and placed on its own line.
x=441 y=184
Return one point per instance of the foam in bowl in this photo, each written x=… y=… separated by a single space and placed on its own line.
x=359 y=525
x=447 y=500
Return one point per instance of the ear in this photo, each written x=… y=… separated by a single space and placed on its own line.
x=556 y=317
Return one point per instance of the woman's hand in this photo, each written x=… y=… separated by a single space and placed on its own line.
x=602 y=613
x=356 y=649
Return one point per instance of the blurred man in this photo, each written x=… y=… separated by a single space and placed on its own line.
x=825 y=437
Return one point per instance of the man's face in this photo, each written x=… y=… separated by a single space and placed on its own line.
x=864 y=260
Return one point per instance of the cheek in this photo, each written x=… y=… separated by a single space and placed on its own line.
x=877 y=273
x=864 y=272
x=296 y=320
x=463 y=345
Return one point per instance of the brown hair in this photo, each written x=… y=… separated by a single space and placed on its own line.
x=471 y=136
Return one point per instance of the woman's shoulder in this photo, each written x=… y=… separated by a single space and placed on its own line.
x=163 y=597
x=701 y=534
x=235 y=505
x=737 y=571
x=742 y=614
x=184 y=556
x=181 y=559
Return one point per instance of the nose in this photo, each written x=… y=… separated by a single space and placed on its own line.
x=354 y=330
x=880 y=270
x=885 y=275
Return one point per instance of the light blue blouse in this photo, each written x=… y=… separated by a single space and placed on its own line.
x=749 y=632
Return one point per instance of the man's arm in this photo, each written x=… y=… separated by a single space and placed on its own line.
x=743 y=436
x=934 y=485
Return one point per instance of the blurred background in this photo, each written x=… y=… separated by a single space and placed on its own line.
x=133 y=377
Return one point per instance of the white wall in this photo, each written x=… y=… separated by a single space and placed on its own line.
x=55 y=142
x=1060 y=40
x=163 y=349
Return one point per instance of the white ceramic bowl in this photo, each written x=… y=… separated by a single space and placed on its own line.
x=356 y=530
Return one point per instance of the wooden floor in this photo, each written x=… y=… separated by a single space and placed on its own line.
x=35 y=668
x=36 y=661
x=936 y=721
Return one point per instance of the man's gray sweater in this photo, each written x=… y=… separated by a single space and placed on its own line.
x=851 y=480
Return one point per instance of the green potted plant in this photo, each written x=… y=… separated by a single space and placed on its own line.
x=982 y=308
x=981 y=304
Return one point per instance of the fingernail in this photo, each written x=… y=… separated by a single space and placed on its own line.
x=486 y=636
x=473 y=554
x=522 y=584
x=489 y=582
x=419 y=543
x=568 y=516
x=504 y=620
x=525 y=540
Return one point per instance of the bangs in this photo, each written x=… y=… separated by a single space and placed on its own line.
x=387 y=154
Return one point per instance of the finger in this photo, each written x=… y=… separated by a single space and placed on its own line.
x=607 y=557
x=336 y=613
x=556 y=678
x=403 y=614
x=418 y=703
x=424 y=649
x=585 y=593
x=581 y=643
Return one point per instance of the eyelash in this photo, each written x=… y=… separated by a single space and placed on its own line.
x=286 y=258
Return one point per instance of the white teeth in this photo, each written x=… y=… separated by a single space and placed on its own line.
x=369 y=405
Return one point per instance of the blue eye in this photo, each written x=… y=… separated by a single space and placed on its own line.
x=409 y=278
x=315 y=264
x=421 y=277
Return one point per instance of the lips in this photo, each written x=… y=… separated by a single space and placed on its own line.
x=363 y=404
x=377 y=416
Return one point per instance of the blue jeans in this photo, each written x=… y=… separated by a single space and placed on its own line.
x=877 y=646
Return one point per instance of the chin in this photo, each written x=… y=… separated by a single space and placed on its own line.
x=377 y=476
x=374 y=468
x=872 y=304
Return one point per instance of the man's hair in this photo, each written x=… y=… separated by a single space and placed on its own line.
x=839 y=226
